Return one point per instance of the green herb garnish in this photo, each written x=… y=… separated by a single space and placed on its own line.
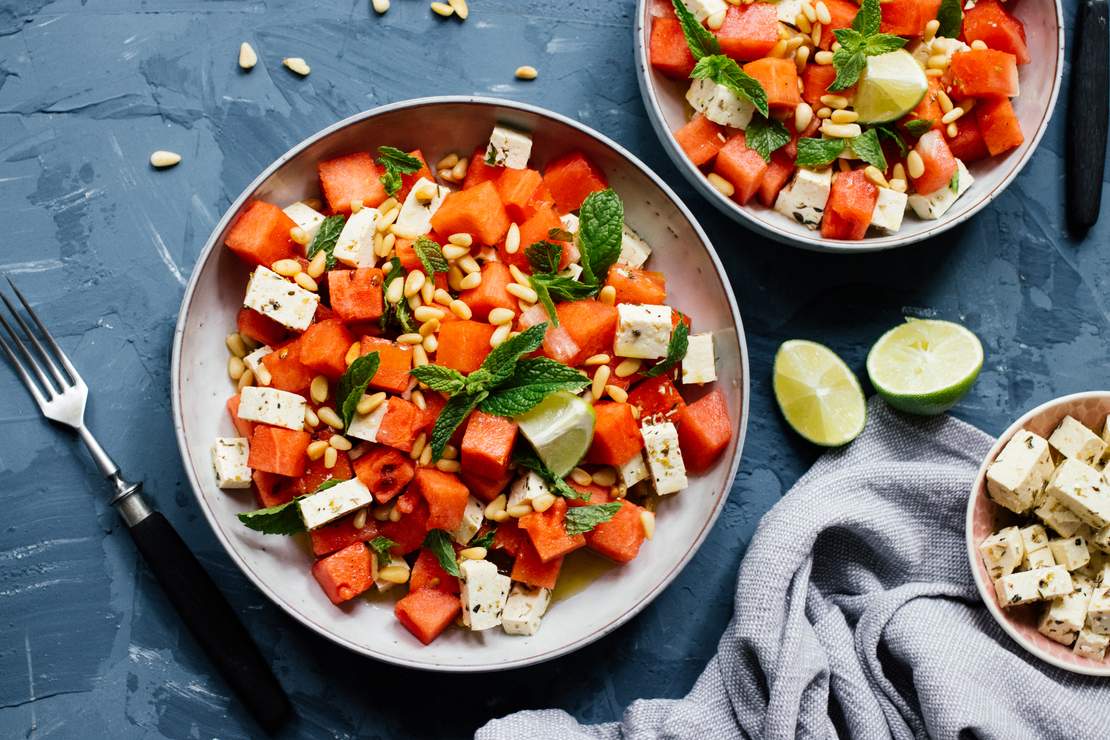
x=326 y=237
x=700 y=39
x=951 y=17
x=396 y=163
x=549 y=285
x=430 y=254
x=397 y=315
x=860 y=41
x=918 y=127
x=818 y=152
x=676 y=350
x=867 y=147
x=765 y=136
x=439 y=542
x=484 y=540
x=353 y=384
x=529 y=460
x=581 y=519
x=725 y=71
x=381 y=547
x=283 y=518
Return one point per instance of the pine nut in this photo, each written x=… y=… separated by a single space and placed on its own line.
x=379 y=246
x=359 y=519
x=500 y=516
x=822 y=12
x=635 y=413
x=448 y=466
x=369 y=403
x=581 y=477
x=605 y=477
x=841 y=130
x=442 y=297
x=461 y=239
x=915 y=165
x=823 y=57
x=899 y=186
x=430 y=344
x=844 y=116
x=263 y=375
x=647 y=518
x=952 y=115
x=396 y=290
x=809 y=11
x=607 y=295
x=801 y=58
x=459 y=170
x=720 y=184
x=450 y=452
x=331 y=457
x=823 y=113
x=803 y=23
x=601 y=379
x=500 y=334
x=931 y=29
x=328 y=416
x=252 y=344
x=318 y=389
x=543 y=502
x=413 y=283
x=778 y=51
x=387 y=218
x=418 y=400
x=952 y=130
x=299 y=235
x=473 y=553
x=593 y=360
x=934 y=73
x=468 y=264
x=519 y=291
x=246 y=379
x=442 y=9
x=339 y=442
x=413 y=338
x=526 y=72
x=518 y=510
x=310 y=417
x=495 y=506
x=875 y=175
x=835 y=101
x=418 y=445
x=298 y=65
x=471 y=281
x=835 y=46
x=499 y=316
x=618 y=394
x=627 y=367
x=356 y=205
x=898 y=172
x=353 y=352
x=512 y=239
x=316 y=449
x=793 y=43
x=396 y=574
x=427 y=313
x=381 y=513
x=236 y=345
x=425 y=457
x=454 y=251
x=716 y=20
x=454 y=277
x=162 y=159
x=460 y=309
x=302 y=279
x=380 y=6
x=979 y=45
x=388 y=242
x=945 y=101
x=317 y=265
x=429 y=327
x=937 y=61
x=803 y=116
x=235 y=367
x=247 y=57
x=447 y=162
x=519 y=277
x=815 y=36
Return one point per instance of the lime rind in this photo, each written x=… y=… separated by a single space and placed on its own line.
x=818 y=393
x=890 y=86
x=561 y=429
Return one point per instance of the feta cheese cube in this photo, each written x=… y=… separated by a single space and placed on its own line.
x=804 y=199
x=1082 y=489
x=317 y=509
x=719 y=104
x=788 y=10
x=305 y=216
x=702 y=9
x=570 y=223
x=1098 y=610
x=1034 y=559
x=642 y=331
x=1066 y=614
x=699 y=365
x=664 y=458
x=394 y=560
x=272 y=406
x=572 y=271
x=473 y=515
x=281 y=300
x=1002 y=552
x=483 y=592
x=420 y=205
x=1097 y=569
x=1017 y=476
x=1106 y=435
x=1101 y=539
x=1062 y=519
x=1033 y=585
x=509 y=148
x=1091 y=645
x=366 y=426
x=355 y=245
x=634 y=250
x=1072 y=439
x=1071 y=553
x=889 y=210
x=525 y=488
x=524 y=609
x=229 y=460
x=931 y=206
x=254 y=359
x=633 y=471
x=1033 y=537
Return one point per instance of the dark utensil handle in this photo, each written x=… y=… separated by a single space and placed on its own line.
x=211 y=620
x=1087 y=114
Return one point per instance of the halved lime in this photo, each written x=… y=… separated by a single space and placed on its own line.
x=819 y=395
x=561 y=429
x=890 y=86
x=925 y=366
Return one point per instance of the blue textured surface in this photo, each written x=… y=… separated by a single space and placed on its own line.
x=89 y=647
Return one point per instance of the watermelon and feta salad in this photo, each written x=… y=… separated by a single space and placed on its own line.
x=843 y=115
x=451 y=380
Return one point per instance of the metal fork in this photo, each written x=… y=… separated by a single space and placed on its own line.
x=61 y=394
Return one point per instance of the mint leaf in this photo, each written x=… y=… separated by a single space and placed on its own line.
x=353 y=384
x=725 y=71
x=398 y=315
x=817 y=153
x=676 y=350
x=439 y=378
x=954 y=183
x=860 y=41
x=453 y=414
x=868 y=18
x=533 y=381
x=918 y=127
x=396 y=163
x=951 y=17
x=501 y=362
x=766 y=135
x=431 y=255
x=439 y=542
x=581 y=519
x=867 y=147
x=883 y=43
x=281 y=519
x=702 y=43
x=600 y=230
x=544 y=256
x=381 y=547
x=891 y=133
x=559 y=235
x=551 y=288
x=849 y=65
x=485 y=539
x=529 y=460
x=326 y=237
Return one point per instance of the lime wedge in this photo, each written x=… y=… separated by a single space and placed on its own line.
x=925 y=366
x=819 y=395
x=890 y=86
x=561 y=429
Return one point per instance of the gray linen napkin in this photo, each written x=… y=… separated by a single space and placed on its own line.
x=856 y=616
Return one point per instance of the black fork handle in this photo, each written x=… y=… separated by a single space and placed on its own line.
x=1087 y=115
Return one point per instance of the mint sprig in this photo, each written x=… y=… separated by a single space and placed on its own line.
x=951 y=17
x=529 y=460
x=326 y=238
x=532 y=381
x=582 y=519
x=860 y=41
x=766 y=136
x=431 y=255
x=485 y=539
x=701 y=41
x=600 y=231
x=676 y=351
x=396 y=163
x=549 y=285
x=439 y=542
x=382 y=548
x=868 y=148
x=817 y=153
x=353 y=384
x=725 y=71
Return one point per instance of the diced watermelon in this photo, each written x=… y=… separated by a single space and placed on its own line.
x=700 y=139
x=476 y=211
x=515 y=187
x=478 y=171
x=619 y=538
x=656 y=397
x=548 y=533
x=243 y=427
x=487 y=445
x=273 y=490
x=992 y=24
x=341 y=534
x=704 y=431
x=491 y=293
x=410 y=531
x=529 y=568
x=407 y=181
x=394 y=363
x=940 y=165
x=463 y=345
x=741 y=166
x=907 y=17
x=749 y=31
x=486 y=489
x=287 y=372
x=262 y=329
x=260 y=234
x=571 y=178
x=775 y=178
x=344 y=574
x=843 y=13
x=616 y=435
x=998 y=124
x=968 y=144
x=316 y=473
x=398 y=427
x=427 y=612
x=779 y=78
x=510 y=538
x=634 y=285
x=385 y=471
x=428 y=573
x=277 y=450
x=349 y=178
x=984 y=73
x=446 y=496
x=816 y=79
x=668 y=50
x=356 y=295
x=590 y=325
x=323 y=347
x=850 y=205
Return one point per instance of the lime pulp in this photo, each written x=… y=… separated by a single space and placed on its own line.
x=890 y=86
x=560 y=429
x=818 y=393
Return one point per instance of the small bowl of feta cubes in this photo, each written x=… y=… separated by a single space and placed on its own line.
x=849 y=125
x=1038 y=532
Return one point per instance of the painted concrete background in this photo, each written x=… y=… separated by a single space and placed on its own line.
x=89 y=647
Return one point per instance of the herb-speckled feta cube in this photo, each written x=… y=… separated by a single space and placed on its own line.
x=281 y=300
x=699 y=365
x=633 y=471
x=931 y=206
x=366 y=426
x=634 y=250
x=524 y=609
x=473 y=515
x=1017 y=476
x=254 y=359
x=570 y=223
x=508 y=148
x=1072 y=553
x=420 y=205
x=483 y=592
x=229 y=460
x=355 y=245
x=889 y=210
x=1101 y=539
x=788 y=10
x=642 y=331
x=664 y=458
x=1033 y=585
x=804 y=199
x=703 y=9
x=1082 y=489
x=1059 y=517
x=1002 y=552
x=1098 y=610
x=1033 y=537
x=525 y=488
x=305 y=216
x=1065 y=616
x=272 y=406
x=1034 y=559
x=1072 y=439
x=317 y=509
x=1091 y=645
x=719 y=104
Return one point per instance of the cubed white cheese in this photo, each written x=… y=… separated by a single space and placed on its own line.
x=570 y=223
x=921 y=51
x=664 y=458
x=930 y=206
x=804 y=199
x=699 y=365
x=272 y=406
x=1033 y=537
x=1002 y=552
x=508 y=148
x=702 y=9
x=394 y=560
x=355 y=245
x=420 y=205
x=366 y=426
x=1082 y=489
x=1034 y=559
x=719 y=104
x=524 y=609
x=1098 y=610
x=633 y=471
x=1065 y=616
x=473 y=515
x=483 y=592
x=634 y=250
x=889 y=210
x=281 y=300
x=1106 y=436
x=1091 y=645
x=1097 y=569
x=1072 y=439
x=1072 y=553
x=1017 y=476
x=1101 y=539
x=1033 y=585
x=254 y=359
x=1059 y=517
x=788 y=10
x=572 y=271
x=525 y=488
x=317 y=509
x=229 y=460
x=642 y=331
x=305 y=216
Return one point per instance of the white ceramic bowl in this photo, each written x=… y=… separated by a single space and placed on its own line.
x=985 y=517
x=666 y=106
x=280 y=565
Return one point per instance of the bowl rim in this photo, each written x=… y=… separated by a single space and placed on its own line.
x=742 y=215
x=986 y=593
x=176 y=367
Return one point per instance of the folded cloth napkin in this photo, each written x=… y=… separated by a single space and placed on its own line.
x=856 y=616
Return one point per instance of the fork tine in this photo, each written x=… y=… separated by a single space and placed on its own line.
x=46 y=386
x=75 y=378
x=22 y=372
x=62 y=382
